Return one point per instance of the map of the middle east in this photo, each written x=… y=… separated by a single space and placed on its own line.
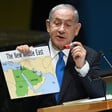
x=29 y=75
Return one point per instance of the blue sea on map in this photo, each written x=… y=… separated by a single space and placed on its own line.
x=49 y=86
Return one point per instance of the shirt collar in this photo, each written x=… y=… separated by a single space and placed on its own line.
x=54 y=51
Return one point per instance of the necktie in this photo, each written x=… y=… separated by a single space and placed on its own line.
x=60 y=71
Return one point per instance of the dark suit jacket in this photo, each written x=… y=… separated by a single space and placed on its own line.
x=73 y=87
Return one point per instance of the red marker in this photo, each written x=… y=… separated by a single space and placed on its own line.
x=69 y=46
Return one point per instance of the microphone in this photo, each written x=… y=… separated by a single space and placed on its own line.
x=103 y=73
x=105 y=58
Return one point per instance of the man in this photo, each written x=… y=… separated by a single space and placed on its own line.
x=81 y=62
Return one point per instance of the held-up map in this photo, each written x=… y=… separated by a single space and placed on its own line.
x=29 y=75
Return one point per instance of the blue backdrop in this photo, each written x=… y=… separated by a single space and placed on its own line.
x=96 y=19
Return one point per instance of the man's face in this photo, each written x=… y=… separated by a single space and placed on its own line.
x=62 y=28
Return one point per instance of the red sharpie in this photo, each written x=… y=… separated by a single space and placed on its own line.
x=69 y=46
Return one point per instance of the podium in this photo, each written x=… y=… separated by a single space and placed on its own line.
x=80 y=107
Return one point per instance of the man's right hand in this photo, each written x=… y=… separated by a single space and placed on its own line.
x=25 y=49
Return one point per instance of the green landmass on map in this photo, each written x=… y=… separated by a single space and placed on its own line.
x=21 y=84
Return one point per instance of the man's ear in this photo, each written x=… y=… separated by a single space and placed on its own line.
x=47 y=25
x=77 y=28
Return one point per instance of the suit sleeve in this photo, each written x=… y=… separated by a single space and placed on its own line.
x=94 y=87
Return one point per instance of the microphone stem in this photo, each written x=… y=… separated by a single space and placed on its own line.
x=107 y=61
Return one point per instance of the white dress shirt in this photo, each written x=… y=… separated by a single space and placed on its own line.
x=54 y=55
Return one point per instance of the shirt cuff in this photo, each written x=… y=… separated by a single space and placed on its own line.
x=84 y=70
